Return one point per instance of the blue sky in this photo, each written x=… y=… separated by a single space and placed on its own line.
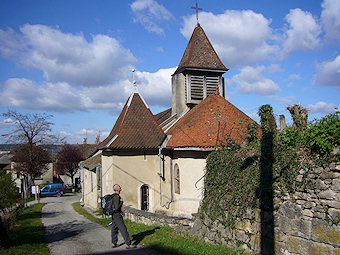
x=73 y=59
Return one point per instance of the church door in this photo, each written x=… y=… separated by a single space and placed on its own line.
x=145 y=197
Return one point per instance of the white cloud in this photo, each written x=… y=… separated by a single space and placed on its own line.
x=149 y=13
x=67 y=57
x=303 y=32
x=156 y=87
x=274 y=68
x=239 y=37
x=283 y=100
x=294 y=76
x=330 y=18
x=329 y=73
x=28 y=94
x=251 y=80
x=322 y=107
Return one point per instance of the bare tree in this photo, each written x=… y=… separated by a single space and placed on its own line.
x=68 y=159
x=30 y=130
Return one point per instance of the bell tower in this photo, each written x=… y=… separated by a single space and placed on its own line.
x=198 y=75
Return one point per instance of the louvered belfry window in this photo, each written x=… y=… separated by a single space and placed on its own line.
x=198 y=87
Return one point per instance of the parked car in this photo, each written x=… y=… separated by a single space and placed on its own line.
x=52 y=189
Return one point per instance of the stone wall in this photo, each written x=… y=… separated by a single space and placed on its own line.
x=151 y=219
x=305 y=222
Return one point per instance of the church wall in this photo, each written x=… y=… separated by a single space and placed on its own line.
x=131 y=172
x=107 y=178
x=192 y=169
x=90 y=189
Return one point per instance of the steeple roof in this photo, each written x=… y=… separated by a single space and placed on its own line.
x=200 y=54
x=208 y=124
x=135 y=128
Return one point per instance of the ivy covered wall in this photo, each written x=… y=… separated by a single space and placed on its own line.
x=279 y=194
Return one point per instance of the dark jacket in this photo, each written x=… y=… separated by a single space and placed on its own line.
x=118 y=203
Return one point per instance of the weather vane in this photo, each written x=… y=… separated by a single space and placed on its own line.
x=197 y=9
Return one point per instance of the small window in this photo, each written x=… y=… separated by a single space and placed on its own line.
x=177 y=180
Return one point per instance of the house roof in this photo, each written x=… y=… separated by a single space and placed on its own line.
x=136 y=127
x=208 y=124
x=200 y=54
x=92 y=162
x=164 y=115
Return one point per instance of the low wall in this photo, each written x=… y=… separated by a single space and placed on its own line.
x=151 y=219
x=305 y=222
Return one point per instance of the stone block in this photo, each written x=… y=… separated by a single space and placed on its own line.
x=290 y=210
x=307 y=213
x=320 y=215
x=279 y=235
x=211 y=236
x=329 y=175
x=331 y=203
x=324 y=233
x=319 y=248
x=241 y=235
x=328 y=194
x=336 y=251
x=295 y=227
x=255 y=243
x=297 y=245
x=334 y=214
x=336 y=185
x=320 y=184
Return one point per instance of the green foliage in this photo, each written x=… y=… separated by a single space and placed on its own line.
x=28 y=234
x=252 y=131
x=8 y=191
x=231 y=181
x=324 y=134
x=290 y=138
x=265 y=112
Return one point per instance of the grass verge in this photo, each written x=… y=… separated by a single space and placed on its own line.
x=164 y=239
x=28 y=233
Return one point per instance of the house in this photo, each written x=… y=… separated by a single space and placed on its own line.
x=159 y=160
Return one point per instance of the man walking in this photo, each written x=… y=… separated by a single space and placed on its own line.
x=117 y=220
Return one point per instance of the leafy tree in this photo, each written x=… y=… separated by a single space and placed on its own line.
x=68 y=159
x=31 y=160
x=8 y=191
x=8 y=196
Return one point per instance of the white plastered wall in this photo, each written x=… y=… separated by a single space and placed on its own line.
x=90 y=189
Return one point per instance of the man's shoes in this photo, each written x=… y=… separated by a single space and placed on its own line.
x=131 y=246
x=114 y=245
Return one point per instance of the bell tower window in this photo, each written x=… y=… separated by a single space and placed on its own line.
x=198 y=87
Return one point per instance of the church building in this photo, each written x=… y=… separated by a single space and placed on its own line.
x=159 y=160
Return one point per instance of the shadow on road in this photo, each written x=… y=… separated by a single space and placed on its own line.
x=140 y=236
x=152 y=250
x=62 y=231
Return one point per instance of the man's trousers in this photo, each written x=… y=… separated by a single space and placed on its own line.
x=118 y=224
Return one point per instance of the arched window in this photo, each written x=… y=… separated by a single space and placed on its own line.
x=177 y=180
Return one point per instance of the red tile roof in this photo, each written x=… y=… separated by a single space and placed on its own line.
x=162 y=116
x=200 y=54
x=136 y=127
x=207 y=124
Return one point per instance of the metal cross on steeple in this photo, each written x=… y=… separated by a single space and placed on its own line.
x=197 y=9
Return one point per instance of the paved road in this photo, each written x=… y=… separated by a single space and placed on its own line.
x=69 y=233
